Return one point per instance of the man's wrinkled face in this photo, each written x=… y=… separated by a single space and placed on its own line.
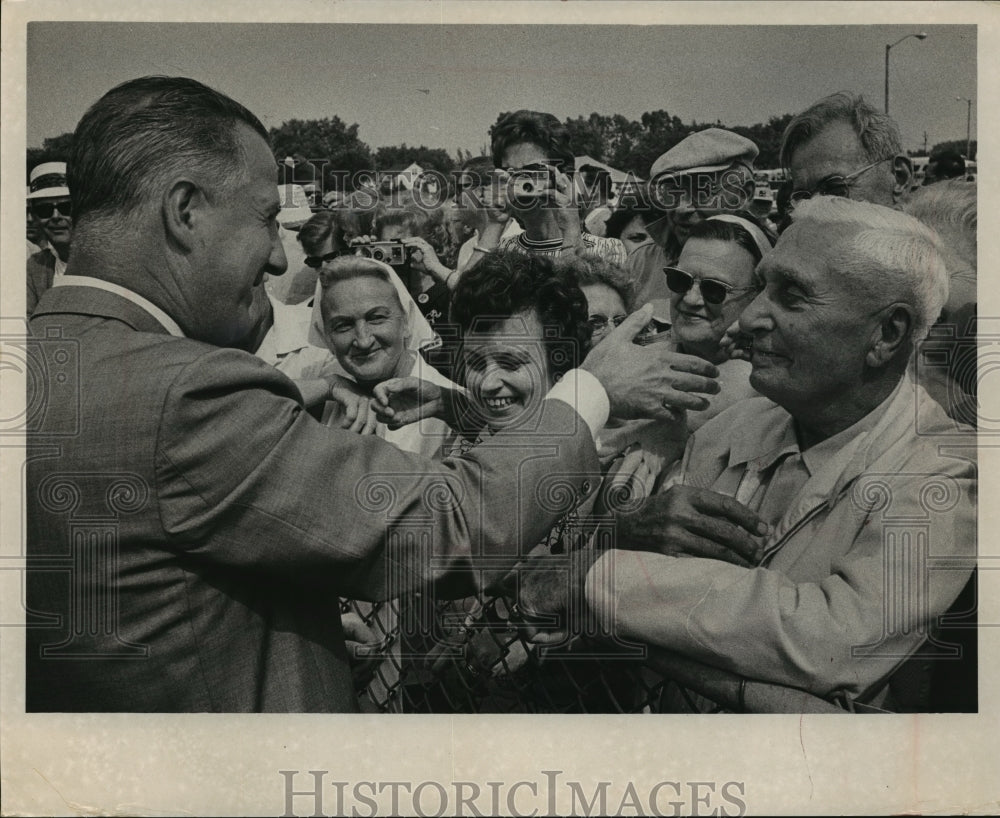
x=835 y=152
x=811 y=327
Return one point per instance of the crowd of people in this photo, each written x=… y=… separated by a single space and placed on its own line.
x=364 y=445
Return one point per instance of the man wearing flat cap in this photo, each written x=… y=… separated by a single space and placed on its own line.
x=706 y=173
x=49 y=203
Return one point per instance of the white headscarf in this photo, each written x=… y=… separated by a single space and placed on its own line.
x=420 y=334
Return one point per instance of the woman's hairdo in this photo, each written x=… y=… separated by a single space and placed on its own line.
x=506 y=284
x=536 y=128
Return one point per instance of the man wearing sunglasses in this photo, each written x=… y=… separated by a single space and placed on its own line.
x=843 y=146
x=49 y=204
x=820 y=565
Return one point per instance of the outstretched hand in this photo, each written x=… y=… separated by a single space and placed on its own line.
x=649 y=381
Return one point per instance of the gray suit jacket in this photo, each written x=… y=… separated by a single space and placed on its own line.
x=190 y=526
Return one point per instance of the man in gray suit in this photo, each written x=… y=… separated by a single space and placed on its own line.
x=190 y=526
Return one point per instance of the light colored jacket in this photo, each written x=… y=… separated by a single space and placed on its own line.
x=875 y=546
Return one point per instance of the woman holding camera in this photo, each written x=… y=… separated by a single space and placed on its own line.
x=532 y=153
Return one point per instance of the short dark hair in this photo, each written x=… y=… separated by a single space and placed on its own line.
x=619 y=220
x=533 y=127
x=337 y=223
x=727 y=231
x=148 y=127
x=505 y=284
x=590 y=268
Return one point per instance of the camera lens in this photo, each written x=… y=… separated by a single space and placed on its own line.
x=378 y=254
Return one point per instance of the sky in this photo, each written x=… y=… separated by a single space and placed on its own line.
x=371 y=74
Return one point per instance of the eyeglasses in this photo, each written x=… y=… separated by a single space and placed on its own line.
x=599 y=323
x=835 y=185
x=45 y=210
x=712 y=290
x=318 y=261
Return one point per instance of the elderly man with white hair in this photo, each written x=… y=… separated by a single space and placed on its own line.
x=850 y=525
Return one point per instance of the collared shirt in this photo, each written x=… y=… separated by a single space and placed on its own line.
x=774 y=478
x=165 y=320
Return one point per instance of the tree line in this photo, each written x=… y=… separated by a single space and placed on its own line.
x=626 y=144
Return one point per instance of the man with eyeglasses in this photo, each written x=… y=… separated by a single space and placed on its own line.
x=49 y=203
x=843 y=146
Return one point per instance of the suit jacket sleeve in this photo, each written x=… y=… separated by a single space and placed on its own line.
x=246 y=478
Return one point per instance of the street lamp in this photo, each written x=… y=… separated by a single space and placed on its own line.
x=968 y=128
x=920 y=36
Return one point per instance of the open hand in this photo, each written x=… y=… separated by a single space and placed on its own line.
x=649 y=381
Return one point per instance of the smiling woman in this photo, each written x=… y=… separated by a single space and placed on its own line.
x=367 y=319
x=710 y=286
x=523 y=325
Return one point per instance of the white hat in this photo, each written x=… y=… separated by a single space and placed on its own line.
x=48 y=181
x=294 y=205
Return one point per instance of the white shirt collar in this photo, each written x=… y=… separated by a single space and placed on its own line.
x=87 y=281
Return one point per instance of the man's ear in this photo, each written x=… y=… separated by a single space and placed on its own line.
x=182 y=209
x=891 y=334
x=902 y=175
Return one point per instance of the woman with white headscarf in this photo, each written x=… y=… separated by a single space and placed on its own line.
x=364 y=315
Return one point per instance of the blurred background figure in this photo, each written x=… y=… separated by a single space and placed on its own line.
x=50 y=206
x=946 y=363
x=844 y=146
x=944 y=165
x=628 y=225
x=536 y=142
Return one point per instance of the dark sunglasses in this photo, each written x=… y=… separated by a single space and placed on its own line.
x=712 y=290
x=318 y=261
x=45 y=210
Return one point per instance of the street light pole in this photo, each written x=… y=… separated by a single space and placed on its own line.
x=888 y=48
x=968 y=127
